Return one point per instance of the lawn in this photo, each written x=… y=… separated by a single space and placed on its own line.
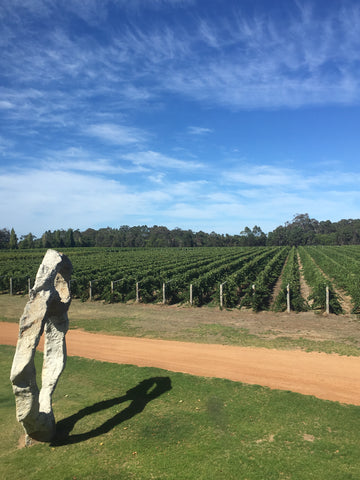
x=125 y=422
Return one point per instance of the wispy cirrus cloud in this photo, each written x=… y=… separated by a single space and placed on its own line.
x=75 y=159
x=199 y=130
x=76 y=84
x=5 y=105
x=265 y=176
x=116 y=134
x=309 y=59
x=275 y=177
x=259 y=62
x=153 y=159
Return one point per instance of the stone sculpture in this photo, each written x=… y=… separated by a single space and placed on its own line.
x=45 y=312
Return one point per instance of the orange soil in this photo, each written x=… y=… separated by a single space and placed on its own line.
x=330 y=377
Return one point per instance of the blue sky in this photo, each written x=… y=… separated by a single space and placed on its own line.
x=207 y=115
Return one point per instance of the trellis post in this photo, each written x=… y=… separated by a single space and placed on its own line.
x=288 y=298
x=221 y=294
x=29 y=286
x=327 y=300
x=137 y=292
x=90 y=290
x=191 y=294
x=11 y=286
x=164 y=290
x=112 y=286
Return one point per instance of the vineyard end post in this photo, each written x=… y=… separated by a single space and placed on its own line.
x=327 y=300
x=288 y=298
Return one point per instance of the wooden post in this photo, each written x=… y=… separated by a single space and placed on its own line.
x=254 y=288
x=11 y=286
x=221 y=295
x=29 y=286
x=327 y=300
x=112 y=286
x=191 y=294
x=90 y=291
x=164 y=298
x=288 y=298
x=137 y=292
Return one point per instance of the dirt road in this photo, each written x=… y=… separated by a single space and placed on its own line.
x=330 y=377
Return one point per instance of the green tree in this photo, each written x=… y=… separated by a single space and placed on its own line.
x=259 y=235
x=4 y=238
x=46 y=239
x=27 y=241
x=13 y=241
x=69 y=238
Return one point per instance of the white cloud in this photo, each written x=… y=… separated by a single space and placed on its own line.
x=158 y=178
x=81 y=160
x=46 y=198
x=42 y=200
x=199 y=130
x=265 y=176
x=232 y=61
x=193 y=190
x=116 y=134
x=102 y=166
x=5 y=105
x=88 y=88
x=261 y=63
x=189 y=212
x=158 y=160
x=274 y=177
x=5 y=144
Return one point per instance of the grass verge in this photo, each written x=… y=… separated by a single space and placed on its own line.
x=125 y=422
x=210 y=333
x=204 y=325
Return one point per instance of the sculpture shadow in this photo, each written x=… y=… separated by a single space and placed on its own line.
x=140 y=396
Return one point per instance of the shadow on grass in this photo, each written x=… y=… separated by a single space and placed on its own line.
x=140 y=396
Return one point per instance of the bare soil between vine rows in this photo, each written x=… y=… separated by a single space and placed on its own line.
x=330 y=377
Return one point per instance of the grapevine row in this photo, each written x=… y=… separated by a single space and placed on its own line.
x=342 y=269
x=318 y=283
x=259 y=297
x=290 y=283
x=116 y=273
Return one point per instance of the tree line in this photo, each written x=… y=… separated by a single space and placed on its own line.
x=302 y=230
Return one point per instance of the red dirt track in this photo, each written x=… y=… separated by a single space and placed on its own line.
x=330 y=377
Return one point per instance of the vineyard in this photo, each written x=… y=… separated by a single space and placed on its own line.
x=259 y=278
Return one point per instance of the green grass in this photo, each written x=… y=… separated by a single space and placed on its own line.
x=194 y=325
x=113 y=326
x=240 y=336
x=9 y=319
x=183 y=428
x=215 y=333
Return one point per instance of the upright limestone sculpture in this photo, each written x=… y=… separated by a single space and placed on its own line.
x=45 y=312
